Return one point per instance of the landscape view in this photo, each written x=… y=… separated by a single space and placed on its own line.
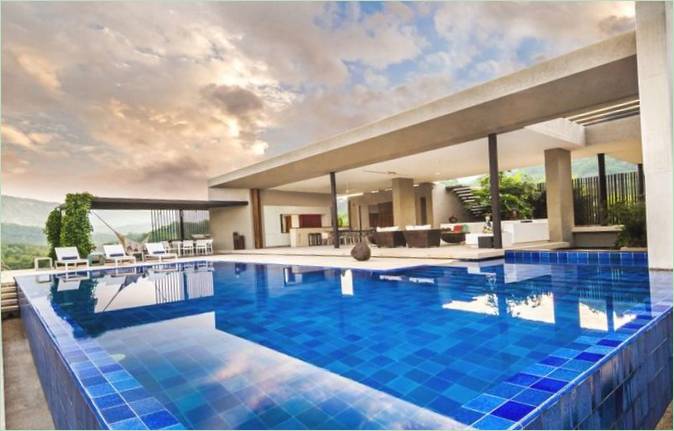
x=23 y=219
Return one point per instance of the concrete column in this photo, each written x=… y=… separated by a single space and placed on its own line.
x=603 y=189
x=653 y=35
x=559 y=194
x=425 y=190
x=404 y=208
x=495 y=191
x=333 y=210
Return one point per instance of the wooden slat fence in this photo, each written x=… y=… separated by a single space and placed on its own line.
x=621 y=187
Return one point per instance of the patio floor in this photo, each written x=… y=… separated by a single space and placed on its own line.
x=442 y=252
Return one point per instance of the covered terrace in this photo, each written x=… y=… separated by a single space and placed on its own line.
x=590 y=102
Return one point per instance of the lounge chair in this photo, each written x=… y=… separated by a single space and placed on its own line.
x=389 y=237
x=115 y=253
x=156 y=251
x=69 y=256
x=422 y=236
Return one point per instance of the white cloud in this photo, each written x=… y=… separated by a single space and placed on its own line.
x=151 y=98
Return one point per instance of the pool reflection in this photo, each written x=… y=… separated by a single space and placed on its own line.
x=447 y=332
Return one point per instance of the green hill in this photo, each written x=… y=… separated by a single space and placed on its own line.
x=23 y=211
x=18 y=234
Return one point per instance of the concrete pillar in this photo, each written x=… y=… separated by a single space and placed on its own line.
x=603 y=189
x=404 y=208
x=333 y=210
x=653 y=35
x=495 y=191
x=424 y=193
x=559 y=194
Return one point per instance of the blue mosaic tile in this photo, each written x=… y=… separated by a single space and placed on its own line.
x=550 y=385
x=490 y=422
x=590 y=357
x=118 y=413
x=532 y=397
x=523 y=379
x=484 y=403
x=321 y=356
x=513 y=411
x=554 y=361
x=129 y=424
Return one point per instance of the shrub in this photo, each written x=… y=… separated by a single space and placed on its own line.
x=632 y=216
x=75 y=225
x=519 y=195
x=52 y=230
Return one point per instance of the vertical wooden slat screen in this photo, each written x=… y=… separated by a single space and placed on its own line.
x=621 y=187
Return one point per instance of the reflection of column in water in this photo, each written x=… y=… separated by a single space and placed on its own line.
x=346 y=281
x=199 y=284
x=567 y=303
x=261 y=287
x=168 y=287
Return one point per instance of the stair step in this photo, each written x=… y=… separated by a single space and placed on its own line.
x=9 y=308
x=8 y=302
x=11 y=288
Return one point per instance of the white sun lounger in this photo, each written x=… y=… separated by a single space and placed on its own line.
x=69 y=257
x=156 y=251
x=115 y=253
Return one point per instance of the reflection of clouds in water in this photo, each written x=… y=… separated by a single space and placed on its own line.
x=281 y=377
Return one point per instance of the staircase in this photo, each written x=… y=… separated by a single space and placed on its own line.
x=465 y=194
x=9 y=299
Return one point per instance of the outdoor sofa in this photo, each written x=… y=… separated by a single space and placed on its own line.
x=421 y=236
x=389 y=237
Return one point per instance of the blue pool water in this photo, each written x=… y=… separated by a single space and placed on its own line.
x=225 y=345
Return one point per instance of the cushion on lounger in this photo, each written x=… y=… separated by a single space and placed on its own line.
x=159 y=252
x=117 y=255
x=69 y=258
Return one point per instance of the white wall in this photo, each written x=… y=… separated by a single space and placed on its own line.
x=275 y=202
x=446 y=204
x=225 y=221
x=271 y=221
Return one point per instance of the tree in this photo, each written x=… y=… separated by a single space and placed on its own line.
x=75 y=225
x=519 y=195
x=52 y=230
x=632 y=216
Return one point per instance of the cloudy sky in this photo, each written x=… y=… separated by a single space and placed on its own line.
x=150 y=99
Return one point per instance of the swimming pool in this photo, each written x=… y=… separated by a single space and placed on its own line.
x=230 y=345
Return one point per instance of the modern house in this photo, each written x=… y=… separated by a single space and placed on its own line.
x=611 y=98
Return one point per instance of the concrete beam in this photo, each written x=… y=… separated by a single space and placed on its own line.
x=591 y=76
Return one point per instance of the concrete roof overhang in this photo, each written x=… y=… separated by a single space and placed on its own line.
x=105 y=203
x=597 y=75
x=517 y=149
